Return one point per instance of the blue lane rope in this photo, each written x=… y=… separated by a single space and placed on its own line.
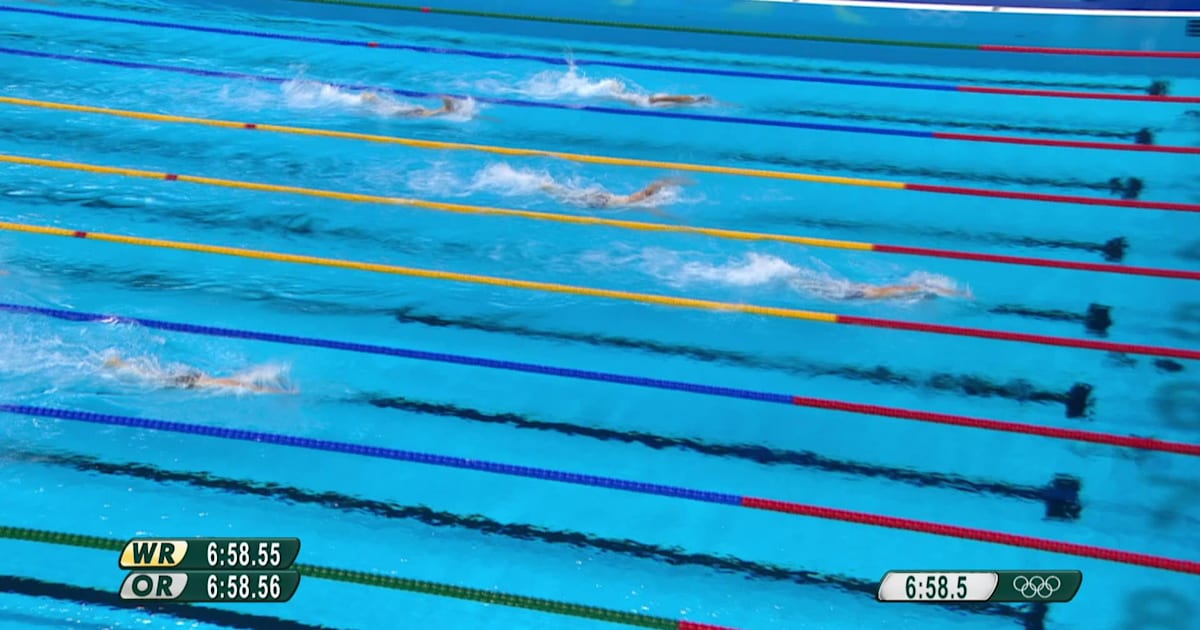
x=420 y=355
x=636 y=381
x=493 y=55
x=375 y=451
x=482 y=99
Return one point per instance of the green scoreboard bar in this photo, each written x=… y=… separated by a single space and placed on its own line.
x=209 y=554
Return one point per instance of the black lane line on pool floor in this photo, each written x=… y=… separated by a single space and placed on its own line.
x=1078 y=400
x=670 y=556
x=107 y=142
x=818 y=166
x=300 y=224
x=1060 y=497
x=95 y=597
x=1096 y=318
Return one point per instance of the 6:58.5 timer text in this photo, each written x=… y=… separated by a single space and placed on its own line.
x=935 y=587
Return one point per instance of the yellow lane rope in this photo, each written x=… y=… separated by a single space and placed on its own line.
x=644 y=298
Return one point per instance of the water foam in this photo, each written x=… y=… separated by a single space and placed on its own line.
x=306 y=94
x=816 y=279
x=504 y=179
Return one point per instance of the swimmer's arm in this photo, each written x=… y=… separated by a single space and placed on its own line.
x=446 y=108
x=117 y=363
x=555 y=190
x=889 y=291
x=653 y=187
x=239 y=384
x=678 y=99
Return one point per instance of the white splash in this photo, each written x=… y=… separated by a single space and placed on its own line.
x=816 y=280
x=314 y=95
x=503 y=179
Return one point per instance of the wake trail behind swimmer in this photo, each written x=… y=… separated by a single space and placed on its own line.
x=599 y=198
x=191 y=378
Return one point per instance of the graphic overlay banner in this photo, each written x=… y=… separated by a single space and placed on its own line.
x=1037 y=586
x=211 y=586
x=195 y=554
x=979 y=586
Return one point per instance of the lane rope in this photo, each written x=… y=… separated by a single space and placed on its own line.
x=611 y=483
x=627 y=296
x=558 y=61
x=677 y=115
x=475 y=524
x=635 y=225
x=363 y=578
x=615 y=161
x=1076 y=435
x=800 y=177
x=760 y=34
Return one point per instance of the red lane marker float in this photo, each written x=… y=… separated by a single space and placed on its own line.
x=1077 y=435
x=977 y=89
x=1047 y=340
x=1028 y=196
x=1074 y=144
x=970 y=533
x=610 y=483
x=1038 y=262
x=1095 y=52
x=692 y=625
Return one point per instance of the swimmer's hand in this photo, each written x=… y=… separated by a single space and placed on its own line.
x=114 y=361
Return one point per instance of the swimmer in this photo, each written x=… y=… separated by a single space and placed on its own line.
x=678 y=99
x=449 y=106
x=884 y=292
x=618 y=91
x=605 y=199
x=191 y=378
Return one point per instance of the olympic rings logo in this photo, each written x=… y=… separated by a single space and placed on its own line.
x=1036 y=586
x=952 y=19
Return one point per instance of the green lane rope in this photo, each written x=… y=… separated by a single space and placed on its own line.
x=392 y=582
x=640 y=26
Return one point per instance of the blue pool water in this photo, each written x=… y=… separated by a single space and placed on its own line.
x=662 y=556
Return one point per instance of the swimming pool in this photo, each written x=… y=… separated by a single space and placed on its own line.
x=586 y=435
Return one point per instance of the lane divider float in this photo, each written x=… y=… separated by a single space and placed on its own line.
x=674 y=28
x=627 y=296
x=615 y=223
x=512 y=56
x=1074 y=435
x=611 y=483
x=652 y=113
x=363 y=578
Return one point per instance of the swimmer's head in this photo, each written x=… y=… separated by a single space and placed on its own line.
x=704 y=99
x=186 y=380
x=597 y=199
